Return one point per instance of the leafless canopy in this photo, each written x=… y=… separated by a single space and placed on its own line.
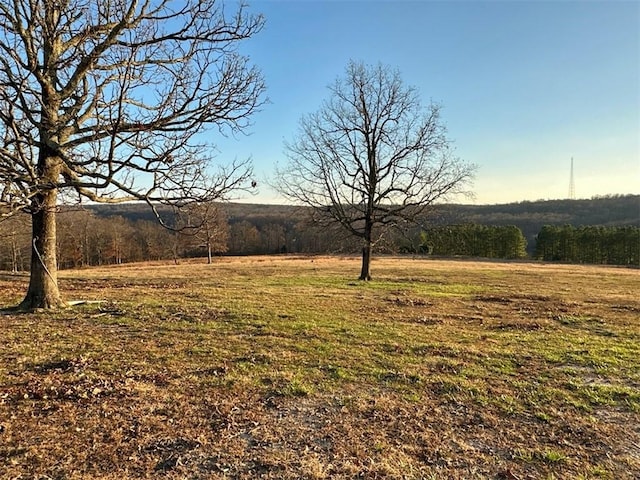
x=109 y=99
x=373 y=151
x=372 y=156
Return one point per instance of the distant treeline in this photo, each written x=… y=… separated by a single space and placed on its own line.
x=85 y=238
x=607 y=245
x=529 y=217
x=487 y=241
x=99 y=235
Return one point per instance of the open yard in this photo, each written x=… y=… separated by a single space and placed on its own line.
x=288 y=367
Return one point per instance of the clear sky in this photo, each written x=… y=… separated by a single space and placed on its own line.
x=525 y=85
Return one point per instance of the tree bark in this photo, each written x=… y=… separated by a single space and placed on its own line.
x=43 y=283
x=365 y=273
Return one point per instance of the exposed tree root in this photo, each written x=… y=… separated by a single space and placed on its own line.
x=18 y=309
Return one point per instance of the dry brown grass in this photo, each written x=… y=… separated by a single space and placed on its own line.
x=286 y=367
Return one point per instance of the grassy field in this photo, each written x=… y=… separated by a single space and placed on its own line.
x=286 y=368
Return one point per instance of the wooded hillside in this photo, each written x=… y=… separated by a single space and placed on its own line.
x=529 y=217
x=614 y=210
x=104 y=234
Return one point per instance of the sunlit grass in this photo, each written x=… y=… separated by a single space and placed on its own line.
x=482 y=364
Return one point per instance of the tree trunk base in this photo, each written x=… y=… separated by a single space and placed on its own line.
x=35 y=302
x=25 y=308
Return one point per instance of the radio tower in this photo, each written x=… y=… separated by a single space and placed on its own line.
x=572 y=186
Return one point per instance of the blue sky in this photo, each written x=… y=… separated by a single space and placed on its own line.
x=525 y=86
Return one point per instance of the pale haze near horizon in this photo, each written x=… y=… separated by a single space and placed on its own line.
x=524 y=86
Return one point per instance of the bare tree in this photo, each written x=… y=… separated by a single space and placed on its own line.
x=372 y=157
x=108 y=100
x=205 y=225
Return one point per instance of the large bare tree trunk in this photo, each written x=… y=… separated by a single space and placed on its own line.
x=365 y=272
x=43 y=284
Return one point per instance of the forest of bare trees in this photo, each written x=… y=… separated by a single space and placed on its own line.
x=128 y=233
